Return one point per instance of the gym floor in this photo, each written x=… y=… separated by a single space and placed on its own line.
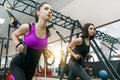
x=43 y=78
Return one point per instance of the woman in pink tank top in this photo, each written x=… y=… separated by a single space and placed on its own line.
x=35 y=38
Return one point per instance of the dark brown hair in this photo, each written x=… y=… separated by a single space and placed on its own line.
x=85 y=33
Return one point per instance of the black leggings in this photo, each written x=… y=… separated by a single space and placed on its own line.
x=19 y=74
x=23 y=65
x=76 y=70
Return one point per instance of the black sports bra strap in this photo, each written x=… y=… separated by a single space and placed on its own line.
x=82 y=40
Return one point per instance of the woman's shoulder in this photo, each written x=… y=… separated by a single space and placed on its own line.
x=77 y=40
x=24 y=27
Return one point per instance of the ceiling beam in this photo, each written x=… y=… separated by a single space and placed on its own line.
x=28 y=7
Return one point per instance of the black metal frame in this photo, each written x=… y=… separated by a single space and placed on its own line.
x=107 y=63
x=1 y=49
x=28 y=7
x=105 y=37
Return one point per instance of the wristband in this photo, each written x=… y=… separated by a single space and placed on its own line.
x=18 y=44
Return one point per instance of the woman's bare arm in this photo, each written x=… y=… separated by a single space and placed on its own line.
x=71 y=45
x=23 y=29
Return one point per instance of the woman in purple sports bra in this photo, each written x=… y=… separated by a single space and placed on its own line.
x=36 y=39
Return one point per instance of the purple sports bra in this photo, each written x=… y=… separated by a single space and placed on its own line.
x=32 y=41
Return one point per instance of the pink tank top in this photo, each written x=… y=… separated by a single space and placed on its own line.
x=32 y=41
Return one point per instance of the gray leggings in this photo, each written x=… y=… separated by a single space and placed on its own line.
x=76 y=70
